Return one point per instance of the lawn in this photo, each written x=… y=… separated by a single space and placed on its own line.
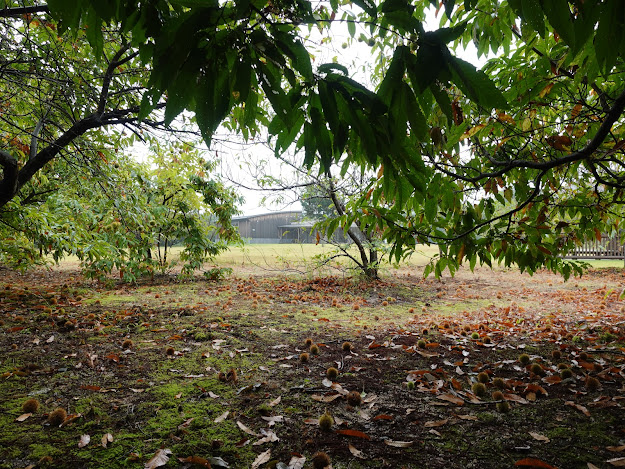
x=489 y=369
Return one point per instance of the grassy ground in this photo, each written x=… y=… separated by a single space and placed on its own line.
x=195 y=373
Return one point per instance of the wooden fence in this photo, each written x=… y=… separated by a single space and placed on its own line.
x=607 y=248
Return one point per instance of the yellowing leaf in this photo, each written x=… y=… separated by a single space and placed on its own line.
x=545 y=91
x=472 y=131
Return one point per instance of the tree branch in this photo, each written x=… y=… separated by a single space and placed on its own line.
x=19 y=11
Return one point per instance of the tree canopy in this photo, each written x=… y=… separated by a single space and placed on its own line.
x=517 y=162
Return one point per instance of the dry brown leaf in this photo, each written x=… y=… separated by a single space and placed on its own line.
x=106 y=439
x=539 y=437
x=212 y=395
x=198 y=461
x=399 y=444
x=617 y=462
x=514 y=398
x=222 y=417
x=591 y=466
x=246 y=429
x=451 y=398
x=261 y=459
x=159 y=459
x=356 y=452
x=435 y=423
x=534 y=463
x=467 y=417
x=616 y=449
x=311 y=421
x=273 y=420
x=84 y=441
x=23 y=417
x=329 y=398
x=579 y=407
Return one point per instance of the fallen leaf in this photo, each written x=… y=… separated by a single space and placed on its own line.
x=534 y=464
x=579 y=407
x=196 y=460
x=269 y=438
x=246 y=429
x=591 y=466
x=356 y=452
x=617 y=462
x=216 y=461
x=399 y=444
x=616 y=449
x=467 y=417
x=212 y=395
x=261 y=459
x=435 y=423
x=106 y=439
x=159 y=459
x=451 y=398
x=275 y=402
x=273 y=420
x=23 y=417
x=356 y=433
x=329 y=398
x=84 y=441
x=514 y=398
x=539 y=437
x=222 y=417
x=383 y=417
x=297 y=462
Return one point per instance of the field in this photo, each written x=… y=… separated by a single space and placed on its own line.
x=490 y=369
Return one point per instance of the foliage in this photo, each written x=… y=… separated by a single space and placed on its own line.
x=316 y=205
x=516 y=163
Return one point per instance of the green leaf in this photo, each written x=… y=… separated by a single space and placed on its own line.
x=476 y=84
x=416 y=118
x=609 y=34
x=430 y=208
x=368 y=6
x=559 y=16
x=394 y=75
x=351 y=27
x=424 y=69
x=533 y=15
x=331 y=67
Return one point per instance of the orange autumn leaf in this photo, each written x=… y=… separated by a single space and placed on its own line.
x=355 y=433
x=534 y=463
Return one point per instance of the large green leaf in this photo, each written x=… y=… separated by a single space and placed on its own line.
x=476 y=84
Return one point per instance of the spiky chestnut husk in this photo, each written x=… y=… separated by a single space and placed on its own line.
x=314 y=349
x=583 y=356
x=410 y=385
x=475 y=336
x=127 y=344
x=421 y=343
x=592 y=384
x=347 y=346
x=479 y=389
x=556 y=354
x=170 y=351
x=536 y=369
x=308 y=342
x=320 y=460
x=503 y=407
x=332 y=373
x=566 y=373
x=354 y=399
x=304 y=357
x=486 y=340
x=497 y=396
x=57 y=417
x=562 y=366
x=499 y=383
x=325 y=422
x=524 y=358
x=483 y=377
x=30 y=406
x=232 y=375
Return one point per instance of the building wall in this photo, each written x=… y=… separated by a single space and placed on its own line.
x=265 y=226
